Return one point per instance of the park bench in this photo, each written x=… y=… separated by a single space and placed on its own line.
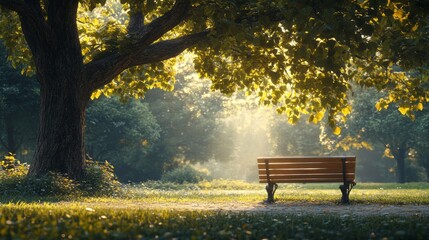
x=273 y=170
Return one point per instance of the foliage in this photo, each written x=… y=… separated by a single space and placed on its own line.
x=164 y=130
x=295 y=140
x=124 y=134
x=397 y=133
x=54 y=222
x=18 y=109
x=387 y=133
x=421 y=130
x=189 y=118
x=14 y=181
x=115 y=129
x=12 y=166
x=185 y=174
x=314 y=50
x=99 y=180
x=100 y=29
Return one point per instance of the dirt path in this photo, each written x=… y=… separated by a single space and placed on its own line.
x=290 y=208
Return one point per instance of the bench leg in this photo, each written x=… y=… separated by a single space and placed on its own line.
x=345 y=190
x=271 y=189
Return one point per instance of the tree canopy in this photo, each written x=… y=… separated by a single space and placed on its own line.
x=300 y=56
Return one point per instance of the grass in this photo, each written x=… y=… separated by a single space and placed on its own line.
x=224 y=191
x=99 y=218
x=49 y=221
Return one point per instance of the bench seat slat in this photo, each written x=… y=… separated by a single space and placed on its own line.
x=304 y=159
x=308 y=180
x=337 y=165
x=304 y=170
x=273 y=178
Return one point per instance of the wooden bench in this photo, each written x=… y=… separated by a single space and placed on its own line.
x=273 y=170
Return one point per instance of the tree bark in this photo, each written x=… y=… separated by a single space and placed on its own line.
x=60 y=142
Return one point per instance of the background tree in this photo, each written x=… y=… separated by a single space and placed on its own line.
x=396 y=132
x=189 y=119
x=421 y=131
x=145 y=138
x=297 y=55
x=18 y=110
x=301 y=139
x=125 y=134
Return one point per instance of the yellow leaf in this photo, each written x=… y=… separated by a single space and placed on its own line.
x=420 y=106
x=319 y=115
x=400 y=15
x=337 y=131
x=367 y=145
x=387 y=153
x=413 y=29
x=403 y=110
x=96 y=94
x=347 y=110
x=293 y=120
x=378 y=106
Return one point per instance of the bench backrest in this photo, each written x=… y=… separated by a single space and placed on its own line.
x=306 y=169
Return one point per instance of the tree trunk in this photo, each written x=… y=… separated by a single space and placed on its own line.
x=10 y=132
x=400 y=155
x=427 y=174
x=60 y=141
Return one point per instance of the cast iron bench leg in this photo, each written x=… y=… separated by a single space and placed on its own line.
x=345 y=190
x=271 y=189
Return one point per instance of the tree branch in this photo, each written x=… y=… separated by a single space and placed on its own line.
x=166 y=49
x=158 y=27
x=99 y=73
x=33 y=24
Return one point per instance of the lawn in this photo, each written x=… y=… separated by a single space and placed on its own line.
x=126 y=217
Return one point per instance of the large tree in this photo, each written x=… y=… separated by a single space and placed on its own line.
x=298 y=55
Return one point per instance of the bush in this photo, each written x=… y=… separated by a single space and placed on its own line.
x=98 y=180
x=186 y=174
x=14 y=181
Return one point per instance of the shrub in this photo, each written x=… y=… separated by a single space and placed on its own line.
x=186 y=174
x=14 y=181
x=98 y=180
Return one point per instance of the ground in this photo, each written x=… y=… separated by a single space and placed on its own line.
x=282 y=208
